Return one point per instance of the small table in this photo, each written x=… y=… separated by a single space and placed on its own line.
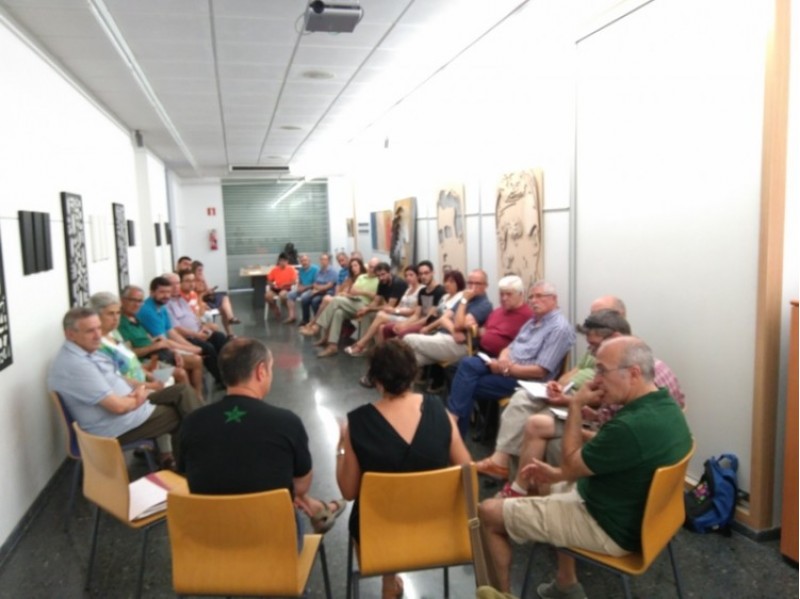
x=258 y=279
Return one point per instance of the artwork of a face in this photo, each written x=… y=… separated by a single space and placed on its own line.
x=518 y=221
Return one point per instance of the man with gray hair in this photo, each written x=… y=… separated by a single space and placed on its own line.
x=536 y=353
x=601 y=487
x=104 y=402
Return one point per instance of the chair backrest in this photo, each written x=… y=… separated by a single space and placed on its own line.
x=413 y=521
x=234 y=544
x=664 y=513
x=105 y=474
x=73 y=451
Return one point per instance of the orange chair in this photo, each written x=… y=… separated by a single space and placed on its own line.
x=411 y=521
x=240 y=545
x=663 y=517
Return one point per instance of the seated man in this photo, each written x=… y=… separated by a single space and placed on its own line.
x=448 y=344
x=324 y=284
x=280 y=279
x=154 y=316
x=536 y=353
x=184 y=263
x=613 y=471
x=104 y=402
x=390 y=290
x=521 y=406
x=185 y=321
x=306 y=275
x=241 y=444
x=428 y=298
x=145 y=345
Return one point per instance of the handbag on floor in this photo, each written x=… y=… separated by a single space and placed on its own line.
x=711 y=504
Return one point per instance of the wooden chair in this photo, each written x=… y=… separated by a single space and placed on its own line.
x=240 y=545
x=411 y=521
x=106 y=484
x=74 y=452
x=663 y=517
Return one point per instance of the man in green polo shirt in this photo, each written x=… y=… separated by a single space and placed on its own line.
x=600 y=490
x=144 y=345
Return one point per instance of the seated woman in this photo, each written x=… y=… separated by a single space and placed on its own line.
x=356 y=268
x=454 y=285
x=108 y=308
x=215 y=300
x=402 y=431
x=389 y=315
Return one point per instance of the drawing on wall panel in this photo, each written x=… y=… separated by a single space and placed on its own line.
x=381 y=226
x=121 y=243
x=6 y=357
x=75 y=241
x=519 y=225
x=451 y=229
x=403 y=250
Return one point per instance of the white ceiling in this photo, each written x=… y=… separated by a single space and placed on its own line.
x=230 y=77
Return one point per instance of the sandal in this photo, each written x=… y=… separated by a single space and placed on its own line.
x=353 y=351
x=331 y=350
x=310 y=331
x=320 y=342
x=235 y=320
x=325 y=518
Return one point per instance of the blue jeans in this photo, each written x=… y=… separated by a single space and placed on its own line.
x=310 y=303
x=473 y=381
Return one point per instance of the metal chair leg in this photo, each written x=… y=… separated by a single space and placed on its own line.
x=73 y=490
x=446 y=583
x=349 y=567
x=675 y=570
x=145 y=533
x=94 y=547
x=325 y=576
x=524 y=592
x=627 y=586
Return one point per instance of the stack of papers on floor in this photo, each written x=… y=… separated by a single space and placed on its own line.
x=148 y=496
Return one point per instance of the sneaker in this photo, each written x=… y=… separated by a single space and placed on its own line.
x=549 y=590
x=508 y=492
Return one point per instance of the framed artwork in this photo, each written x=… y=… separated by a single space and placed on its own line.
x=451 y=228
x=158 y=234
x=403 y=248
x=121 y=244
x=6 y=357
x=131 y=234
x=519 y=225
x=75 y=242
x=34 y=234
x=381 y=223
x=167 y=234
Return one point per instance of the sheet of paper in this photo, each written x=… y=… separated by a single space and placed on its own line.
x=534 y=389
x=146 y=497
x=559 y=413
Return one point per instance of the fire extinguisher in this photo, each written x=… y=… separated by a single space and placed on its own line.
x=213 y=244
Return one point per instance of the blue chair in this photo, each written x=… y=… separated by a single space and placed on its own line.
x=74 y=452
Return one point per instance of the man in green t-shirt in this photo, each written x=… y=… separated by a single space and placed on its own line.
x=600 y=489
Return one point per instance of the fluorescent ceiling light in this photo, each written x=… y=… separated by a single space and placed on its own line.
x=109 y=27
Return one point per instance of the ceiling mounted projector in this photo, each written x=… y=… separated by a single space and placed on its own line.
x=333 y=18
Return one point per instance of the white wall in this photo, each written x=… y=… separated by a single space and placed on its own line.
x=53 y=140
x=192 y=201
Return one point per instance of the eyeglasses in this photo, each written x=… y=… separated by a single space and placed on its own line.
x=133 y=299
x=475 y=283
x=424 y=272
x=541 y=295
x=601 y=370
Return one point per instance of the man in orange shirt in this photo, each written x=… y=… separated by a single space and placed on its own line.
x=279 y=281
x=189 y=294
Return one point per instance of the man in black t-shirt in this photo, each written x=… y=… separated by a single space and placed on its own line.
x=390 y=289
x=428 y=298
x=241 y=444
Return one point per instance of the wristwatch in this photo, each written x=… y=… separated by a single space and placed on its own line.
x=463 y=300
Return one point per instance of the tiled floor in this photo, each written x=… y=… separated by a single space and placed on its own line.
x=49 y=562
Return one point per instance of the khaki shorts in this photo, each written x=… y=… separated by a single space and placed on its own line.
x=560 y=519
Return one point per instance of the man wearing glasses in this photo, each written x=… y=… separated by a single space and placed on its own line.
x=600 y=489
x=536 y=353
x=449 y=343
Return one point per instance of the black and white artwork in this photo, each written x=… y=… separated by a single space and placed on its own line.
x=131 y=234
x=158 y=234
x=34 y=234
x=167 y=234
x=121 y=243
x=6 y=357
x=75 y=241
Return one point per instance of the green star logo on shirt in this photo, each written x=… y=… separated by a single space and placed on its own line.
x=234 y=415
